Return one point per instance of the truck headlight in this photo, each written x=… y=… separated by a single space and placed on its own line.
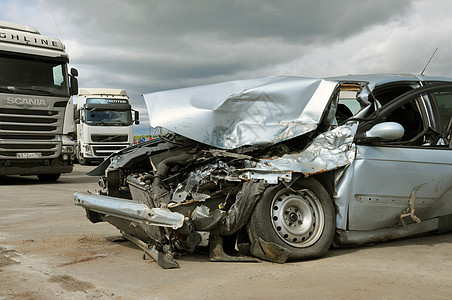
x=88 y=151
x=67 y=149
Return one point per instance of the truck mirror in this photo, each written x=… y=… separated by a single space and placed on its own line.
x=77 y=116
x=74 y=81
x=74 y=72
x=137 y=117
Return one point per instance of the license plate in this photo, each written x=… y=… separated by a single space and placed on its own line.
x=29 y=155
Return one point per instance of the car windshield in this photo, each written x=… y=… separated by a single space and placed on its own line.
x=100 y=117
x=33 y=76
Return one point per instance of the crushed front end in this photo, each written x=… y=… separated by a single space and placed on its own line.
x=207 y=183
x=176 y=195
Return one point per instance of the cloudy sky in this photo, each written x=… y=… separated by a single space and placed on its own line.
x=147 y=46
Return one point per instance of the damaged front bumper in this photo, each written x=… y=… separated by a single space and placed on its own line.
x=134 y=219
x=129 y=210
x=159 y=231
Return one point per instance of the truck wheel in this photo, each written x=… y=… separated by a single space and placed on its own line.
x=48 y=177
x=301 y=219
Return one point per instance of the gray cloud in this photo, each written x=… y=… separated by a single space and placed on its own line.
x=145 y=46
x=180 y=41
x=230 y=20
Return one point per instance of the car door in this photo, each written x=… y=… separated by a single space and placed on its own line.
x=375 y=189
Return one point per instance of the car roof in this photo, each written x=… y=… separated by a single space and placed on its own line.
x=378 y=79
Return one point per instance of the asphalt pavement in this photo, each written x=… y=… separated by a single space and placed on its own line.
x=49 y=250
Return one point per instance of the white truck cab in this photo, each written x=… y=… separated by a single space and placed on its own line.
x=104 y=123
x=36 y=110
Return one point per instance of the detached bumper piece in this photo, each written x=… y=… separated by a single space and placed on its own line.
x=129 y=210
x=100 y=208
x=165 y=260
x=138 y=220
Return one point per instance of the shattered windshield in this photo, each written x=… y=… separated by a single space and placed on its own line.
x=33 y=76
x=100 y=117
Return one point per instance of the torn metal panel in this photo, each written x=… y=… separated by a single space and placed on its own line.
x=328 y=151
x=210 y=173
x=270 y=176
x=204 y=219
x=129 y=210
x=124 y=157
x=217 y=253
x=233 y=114
x=240 y=211
x=269 y=251
x=409 y=212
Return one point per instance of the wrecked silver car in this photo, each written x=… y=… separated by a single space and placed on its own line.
x=282 y=168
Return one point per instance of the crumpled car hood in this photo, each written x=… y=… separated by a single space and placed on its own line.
x=233 y=114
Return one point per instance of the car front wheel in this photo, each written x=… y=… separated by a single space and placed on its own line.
x=300 y=218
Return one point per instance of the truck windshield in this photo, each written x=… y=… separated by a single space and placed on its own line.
x=32 y=76
x=100 y=117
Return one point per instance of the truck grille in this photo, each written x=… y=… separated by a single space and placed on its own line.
x=33 y=130
x=27 y=128
x=27 y=112
x=105 y=150
x=27 y=137
x=12 y=155
x=109 y=138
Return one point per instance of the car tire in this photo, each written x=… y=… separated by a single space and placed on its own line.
x=48 y=177
x=301 y=219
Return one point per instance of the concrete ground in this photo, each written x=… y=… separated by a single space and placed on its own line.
x=49 y=250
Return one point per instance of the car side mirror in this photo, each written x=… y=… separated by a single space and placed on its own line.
x=386 y=131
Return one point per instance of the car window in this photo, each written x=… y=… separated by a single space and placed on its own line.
x=385 y=94
x=443 y=101
x=382 y=95
x=413 y=111
x=409 y=116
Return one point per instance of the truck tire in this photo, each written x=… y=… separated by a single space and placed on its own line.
x=48 y=177
x=301 y=219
